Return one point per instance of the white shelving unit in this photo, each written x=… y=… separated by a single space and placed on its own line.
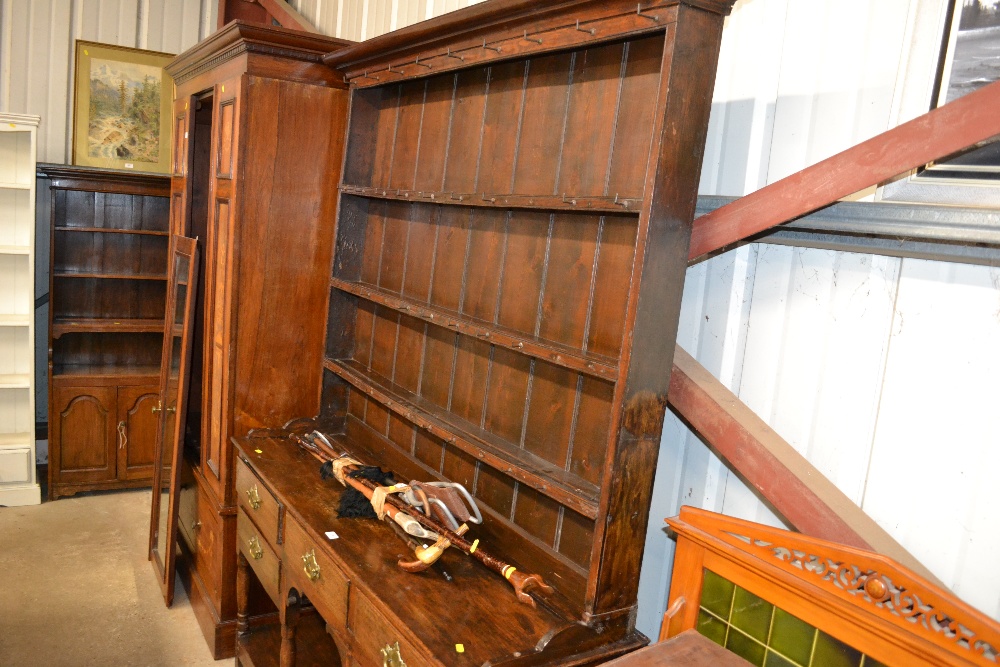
x=18 y=483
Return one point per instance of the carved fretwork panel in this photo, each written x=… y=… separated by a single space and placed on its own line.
x=865 y=599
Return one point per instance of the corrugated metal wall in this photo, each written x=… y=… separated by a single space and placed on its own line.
x=364 y=19
x=36 y=56
x=881 y=371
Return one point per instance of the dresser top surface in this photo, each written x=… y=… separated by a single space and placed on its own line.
x=477 y=609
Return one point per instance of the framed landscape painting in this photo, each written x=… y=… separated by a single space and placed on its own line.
x=121 y=109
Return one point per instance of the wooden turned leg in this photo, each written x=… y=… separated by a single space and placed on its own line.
x=289 y=621
x=242 y=593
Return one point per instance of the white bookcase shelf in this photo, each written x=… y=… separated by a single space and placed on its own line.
x=18 y=482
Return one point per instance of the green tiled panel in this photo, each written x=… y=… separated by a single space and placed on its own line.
x=765 y=635
x=751 y=614
x=832 y=652
x=745 y=647
x=717 y=594
x=712 y=627
x=775 y=660
x=791 y=637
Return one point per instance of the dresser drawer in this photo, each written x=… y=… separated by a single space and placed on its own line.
x=315 y=575
x=373 y=632
x=257 y=501
x=259 y=553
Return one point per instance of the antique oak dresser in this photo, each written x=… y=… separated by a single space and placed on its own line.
x=494 y=245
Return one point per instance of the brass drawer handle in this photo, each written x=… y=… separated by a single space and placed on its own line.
x=391 y=657
x=310 y=565
x=253 y=496
x=255 y=549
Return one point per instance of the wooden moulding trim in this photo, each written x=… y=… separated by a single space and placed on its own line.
x=867 y=590
x=490 y=16
x=966 y=121
x=563 y=487
x=794 y=487
x=565 y=202
x=239 y=37
x=496 y=31
x=95 y=179
x=597 y=366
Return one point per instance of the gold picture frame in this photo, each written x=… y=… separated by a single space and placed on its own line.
x=121 y=108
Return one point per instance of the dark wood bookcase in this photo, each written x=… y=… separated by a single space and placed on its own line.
x=108 y=272
x=511 y=242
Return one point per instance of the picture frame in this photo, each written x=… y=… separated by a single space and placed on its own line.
x=121 y=108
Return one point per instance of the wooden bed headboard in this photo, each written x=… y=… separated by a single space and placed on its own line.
x=782 y=599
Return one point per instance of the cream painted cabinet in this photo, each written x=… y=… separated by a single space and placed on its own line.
x=18 y=485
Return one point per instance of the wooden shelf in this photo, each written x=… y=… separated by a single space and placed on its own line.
x=62 y=325
x=109 y=230
x=521 y=465
x=14 y=439
x=594 y=365
x=612 y=204
x=109 y=276
x=15 y=186
x=15 y=250
x=15 y=320
x=103 y=370
x=15 y=381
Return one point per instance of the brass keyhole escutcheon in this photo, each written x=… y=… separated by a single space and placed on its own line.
x=255 y=549
x=253 y=497
x=310 y=565
x=391 y=657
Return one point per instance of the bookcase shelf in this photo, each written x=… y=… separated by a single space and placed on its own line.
x=62 y=325
x=107 y=276
x=17 y=297
x=105 y=230
x=15 y=320
x=16 y=381
x=110 y=238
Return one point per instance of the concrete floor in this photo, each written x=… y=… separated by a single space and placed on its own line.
x=76 y=589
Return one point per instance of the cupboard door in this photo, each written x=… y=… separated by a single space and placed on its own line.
x=222 y=241
x=136 y=431
x=84 y=437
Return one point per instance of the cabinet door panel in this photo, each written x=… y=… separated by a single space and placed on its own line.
x=83 y=434
x=138 y=438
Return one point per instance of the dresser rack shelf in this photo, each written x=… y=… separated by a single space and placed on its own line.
x=594 y=365
x=537 y=202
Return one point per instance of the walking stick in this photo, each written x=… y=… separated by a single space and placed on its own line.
x=386 y=504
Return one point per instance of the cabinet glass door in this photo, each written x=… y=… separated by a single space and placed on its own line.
x=171 y=408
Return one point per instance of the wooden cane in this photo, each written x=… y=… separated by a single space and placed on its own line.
x=521 y=582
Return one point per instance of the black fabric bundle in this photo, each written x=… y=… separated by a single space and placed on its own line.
x=353 y=504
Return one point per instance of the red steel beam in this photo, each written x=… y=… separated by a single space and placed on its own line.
x=794 y=487
x=937 y=134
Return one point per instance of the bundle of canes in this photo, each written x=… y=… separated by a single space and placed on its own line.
x=403 y=514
